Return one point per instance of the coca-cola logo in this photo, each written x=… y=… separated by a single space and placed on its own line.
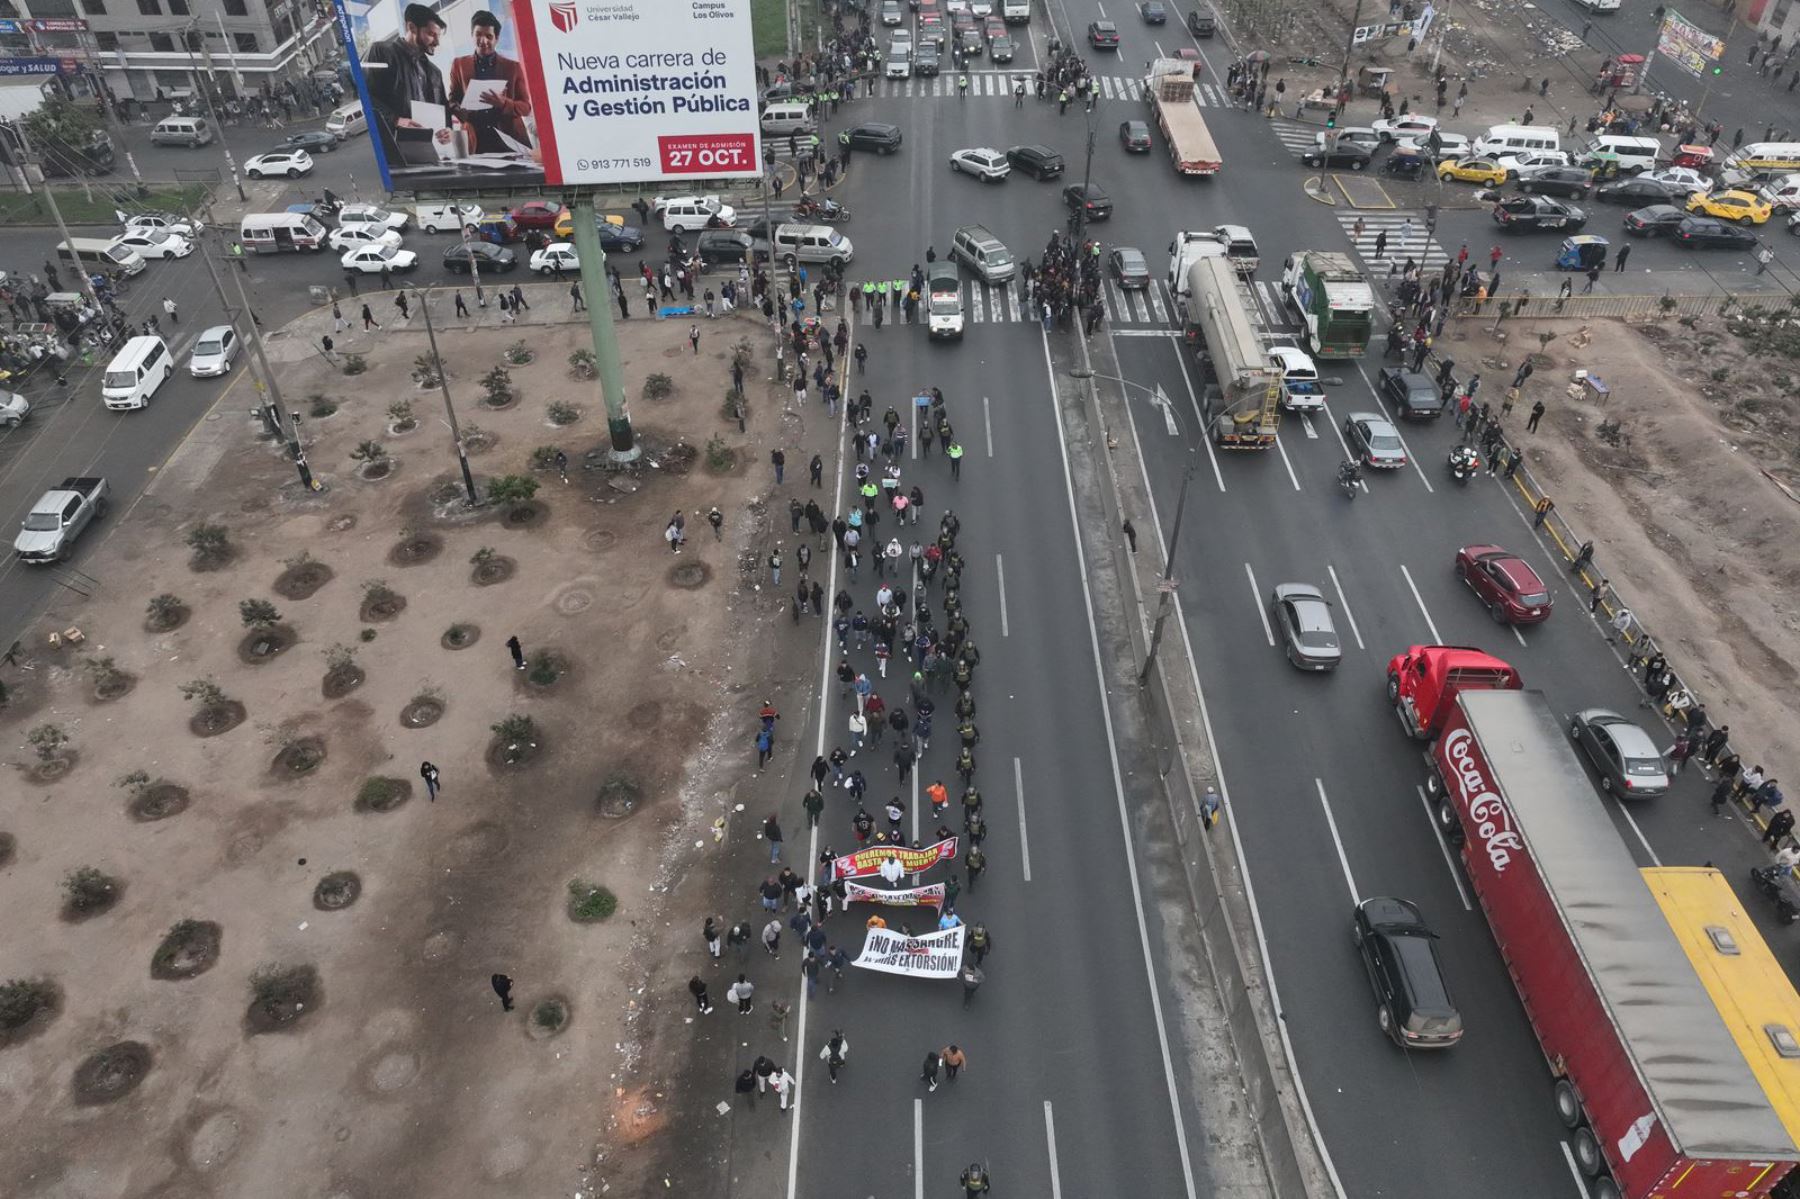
x=1487 y=811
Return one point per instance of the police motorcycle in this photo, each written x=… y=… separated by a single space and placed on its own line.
x=1464 y=461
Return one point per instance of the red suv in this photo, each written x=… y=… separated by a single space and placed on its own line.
x=1512 y=591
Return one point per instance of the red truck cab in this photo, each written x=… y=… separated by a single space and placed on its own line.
x=1424 y=681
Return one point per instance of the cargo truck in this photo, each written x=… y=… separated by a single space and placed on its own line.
x=1241 y=403
x=1335 y=303
x=1169 y=91
x=1422 y=682
x=1659 y=1100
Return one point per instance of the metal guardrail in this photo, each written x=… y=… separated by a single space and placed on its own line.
x=1579 y=307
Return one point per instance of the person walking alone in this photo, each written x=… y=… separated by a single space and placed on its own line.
x=697 y=985
x=835 y=1053
x=742 y=992
x=429 y=773
x=928 y=1073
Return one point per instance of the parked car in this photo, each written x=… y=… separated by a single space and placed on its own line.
x=371 y=214
x=1129 y=268
x=1658 y=220
x=1525 y=213
x=1413 y=1003
x=1135 y=136
x=466 y=258
x=1374 y=441
x=166 y=222
x=1505 y=583
x=1302 y=614
x=1710 y=233
x=986 y=164
x=1040 y=162
x=1091 y=197
x=290 y=162
x=214 y=352
x=556 y=254
x=1626 y=758
x=1682 y=180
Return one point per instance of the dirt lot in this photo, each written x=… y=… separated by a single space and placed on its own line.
x=1701 y=544
x=382 y=1064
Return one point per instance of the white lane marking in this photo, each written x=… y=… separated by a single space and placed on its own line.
x=1343 y=859
x=1420 y=600
x=1581 y=1185
x=1344 y=603
x=1637 y=832
x=987 y=424
x=1000 y=574
x=1285 y=461
x=1444 y=848
x=912 y=438
x=1168 y=415
x=1392 y=420
x=1146 y=333
x=1338 y=432
x=1516 y=633
x=1199 y=421
x=1118 y=775
x=1050 y=1139
x=1312 y=434
x=1024 y=841
x=918 y=1147
x=1256 y=602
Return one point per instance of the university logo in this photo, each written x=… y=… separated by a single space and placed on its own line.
x=564 y=15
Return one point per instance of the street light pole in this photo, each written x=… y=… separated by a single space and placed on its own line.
x=1166 y=586
x=1350 y=42
x=462 y=452
x=187 y=38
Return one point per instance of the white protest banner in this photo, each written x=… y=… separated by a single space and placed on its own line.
x=934 y=955
x=908 y=897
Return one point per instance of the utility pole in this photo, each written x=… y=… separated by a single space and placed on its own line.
x=597 y=291
x=295 y=449
x=462 y=452
x=225 y=40
x=87 y=283
x=188 y=36
x=201 y=237
x=1166 y=587
x=1350 y=42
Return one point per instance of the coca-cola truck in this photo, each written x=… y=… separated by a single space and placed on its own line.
x=1658 y=1099
x=1422 y=682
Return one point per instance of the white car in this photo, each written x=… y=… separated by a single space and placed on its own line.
x=682 y=213
x=357 y=236
x=214 y=353
x=982 y=8
x=1686 y=178
x=1411 y=125
x=899 y=64
x=370 y=214
x=1519 y=166
x=447 y=218
x=1451 y=146
x=154 y=243
x=292 y=163
x=546 y=260
x=890 y=12
x=985 y=163
x=162 y=221
x=14 y=408
x=370 y=259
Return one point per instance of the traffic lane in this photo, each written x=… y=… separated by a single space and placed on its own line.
x=1535 y=252
x=1003 y=503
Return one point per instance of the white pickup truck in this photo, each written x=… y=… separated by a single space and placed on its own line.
x=58 y=518
x=1301 y=390
x=1227 y=241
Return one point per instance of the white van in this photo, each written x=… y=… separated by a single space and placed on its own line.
x=1783 y=193
x=696 y=212
x=787 y=118
x=1635 y=153
x=181 y=131
x=134 y=375
x=279 y=232
x=347 y=121
x=1515 y=139
x=1764 y=158
x=447 y=218
x=102 y=251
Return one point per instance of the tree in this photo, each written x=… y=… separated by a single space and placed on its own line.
x=61 y=127
x=258 y=614
x=511 y=489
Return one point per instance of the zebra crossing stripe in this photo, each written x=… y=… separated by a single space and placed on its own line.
x=1402 y=242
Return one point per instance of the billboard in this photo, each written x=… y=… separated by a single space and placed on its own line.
x=1688 y=46
x=476 y=94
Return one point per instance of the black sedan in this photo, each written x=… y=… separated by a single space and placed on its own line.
x=1154 y=12
x=1413 y=395
x=1090 y=197
x=486 y=255
x=623 y=239
x=925 y=60
x=1135 y=136
x=1040 y=162
x=728 y=246
x=1524 y=213
x=313 y=141
x=878 y=136
x=1572 y=182
x=1634 y=192
x=1103 y=35
x=1709 y=232
x=1129 y=268
x=1002 y=48
x=1658 y=220
x=1344 y=154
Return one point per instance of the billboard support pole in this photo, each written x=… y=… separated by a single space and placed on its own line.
x=596 y=290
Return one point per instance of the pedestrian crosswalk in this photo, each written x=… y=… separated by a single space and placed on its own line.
x=1406 y=237
x=1297 y=136
x=1000 y=84
x=1151 y=308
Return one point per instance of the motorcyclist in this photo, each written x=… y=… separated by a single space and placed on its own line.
x=975 y=1180
x=1350 y=472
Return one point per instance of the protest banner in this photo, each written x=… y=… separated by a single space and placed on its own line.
x=868 y=861
x=909 y=897
x=934 y=955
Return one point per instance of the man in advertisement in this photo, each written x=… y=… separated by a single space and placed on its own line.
x=404 y=84
x=487 y=91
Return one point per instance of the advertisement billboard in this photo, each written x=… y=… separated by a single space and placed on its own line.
x=471 y=94
x=1687 y=45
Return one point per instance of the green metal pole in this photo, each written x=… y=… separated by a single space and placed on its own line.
x=598 y=293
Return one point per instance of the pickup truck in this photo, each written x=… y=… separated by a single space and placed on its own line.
x=58 y=518
x=1301 y=390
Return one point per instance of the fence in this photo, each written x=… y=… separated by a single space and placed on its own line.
x=1578 y=307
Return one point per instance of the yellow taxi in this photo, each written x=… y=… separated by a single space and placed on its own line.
x=565 y=223
x=1473 y=170
x=1746 y=208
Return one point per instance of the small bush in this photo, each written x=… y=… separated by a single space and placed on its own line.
x=21 y=1000
x=340 y=658
x=164 y=608
x=368 y=635
x=401 y=413
x=87 y=889
x=137 y=782
x=561 y=413
x=519 y=353
x=376 y=591
x=719 y=456
x=511 y=489
x=104 y=672
x=355 y=364
x=658 y=387
x=426 y=371
x=543 y=668
x=517 y=735
x=482 y=556
x=258 y=614
x=382 y=794
x=590 y=903
x=369 y=451
x=497 y=383
x=743 y=353
x=1668 y=304
x=543 y=458
x=320 y=406
x=48 y=741
x=583 y=365
x=205 y=692
x=209 y=541
x=550 y=1015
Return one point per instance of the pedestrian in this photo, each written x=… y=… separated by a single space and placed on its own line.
x=928 y=1073
x=1780 y=825
x=518 y=652
x=1620 y=257
x=462 y=309
x=742 y=992
x=778 y=459
x=1541 y=512
x=694 y=338
x=429 y=773
x=1715 y=743
x=974 y=862
x=1677 y=754
x=771 y=937
x=816 y=470
x=697 y=985
x=1537 y=414
x=1593 y=277
x=980 y=943
x=1130 y=532
x=709 y=932
x=738 y=937
x=503 y=988
x=972 y=978
x=954 y=1060
x=173 y=312
x=1722 y=793
x=401 y=302
x=835 y=1053
x=814 y=803
x=369 y=321
x=783 y=1085
x=1381 y=244
x=772 y=831
x=1598 y=595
